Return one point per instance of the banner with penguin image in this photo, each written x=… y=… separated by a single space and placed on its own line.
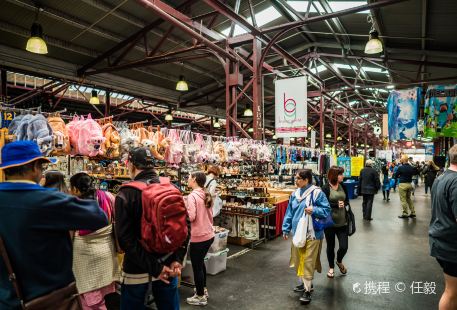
x=441 y=111
x=403 y=107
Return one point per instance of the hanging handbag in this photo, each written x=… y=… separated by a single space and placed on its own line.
x=321 y=223
x=350 y=220
x=65 y=298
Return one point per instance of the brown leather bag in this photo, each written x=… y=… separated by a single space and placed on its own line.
x=62 y=299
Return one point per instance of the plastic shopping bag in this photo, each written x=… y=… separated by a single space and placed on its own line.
x=301 y=233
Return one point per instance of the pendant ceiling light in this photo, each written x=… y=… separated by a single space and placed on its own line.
x=328 y=135
x=374 y=45
x=251 y=129
x=169 y=116
x=94 y=98
x=182 y=84
x=36 y=43
x=216 y=123
x=248 y=112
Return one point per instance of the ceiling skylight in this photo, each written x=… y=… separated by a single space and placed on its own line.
x=319 y=69
x=262 y=18
x=355 y=68
x=302 y=6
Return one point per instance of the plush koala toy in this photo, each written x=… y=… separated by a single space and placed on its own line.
x=36 y=128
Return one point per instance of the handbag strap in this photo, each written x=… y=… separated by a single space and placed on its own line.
x=11 y=275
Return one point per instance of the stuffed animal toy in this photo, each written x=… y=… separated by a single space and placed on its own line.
x=90 y=138
x=128 y=139
x=61 y=139
x=12 y=129
x=33 y=128
x=174 y=152
x=219 y=149
x=86 y=136
x=111 y=147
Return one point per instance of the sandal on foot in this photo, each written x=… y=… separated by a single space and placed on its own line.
x=343 y=269
x=330 y=275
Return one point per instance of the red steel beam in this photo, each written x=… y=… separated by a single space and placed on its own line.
x=135 y=37
x=183 y=22
x=162 y=40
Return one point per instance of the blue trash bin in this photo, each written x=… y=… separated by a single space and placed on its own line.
x=352 y=188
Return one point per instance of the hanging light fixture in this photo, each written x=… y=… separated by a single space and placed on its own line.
x=94 y=98
x=339 y=138
x=36 y=43
x=182 y=84
x=374 y=45
x=248 y=112
x=169 y=116
x=251 y=129
x=216 y=123
x=328 y=135
x=274 y=137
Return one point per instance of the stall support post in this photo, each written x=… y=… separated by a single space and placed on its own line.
x=3 y=90
x=366 y=142
x=257 y=86
x=335 y=130
x=321 y=122
x=350 y=135
x=107 y=103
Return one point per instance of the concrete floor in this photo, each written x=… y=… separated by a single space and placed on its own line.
x=388 y=249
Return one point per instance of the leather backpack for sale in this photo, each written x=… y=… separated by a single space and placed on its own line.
x=61 y=139
x=164 y=220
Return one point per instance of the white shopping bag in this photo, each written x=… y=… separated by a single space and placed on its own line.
x=299 y=239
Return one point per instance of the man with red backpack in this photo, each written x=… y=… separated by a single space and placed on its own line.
x=153 y=229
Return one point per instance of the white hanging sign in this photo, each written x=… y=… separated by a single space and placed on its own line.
x=291 y=107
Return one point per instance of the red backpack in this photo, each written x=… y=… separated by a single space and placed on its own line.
x=164 y=220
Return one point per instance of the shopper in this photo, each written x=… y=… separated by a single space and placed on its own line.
x=338 y=198
x=95 y=262
x=430 y=172
x=369 y=185
x=385 y=183
x=34 y=224
x=405 y=175
x=54 y=179
x=211 y=185
x=394 y=171
x=139 y=264
x=443 y=229
x=199 y=207
x=213 y=173
x=311 y=200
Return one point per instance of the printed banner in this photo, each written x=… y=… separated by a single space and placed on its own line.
x=402 y=107
x=345 y=163
x=291 y=107
x=356 y=166
x=429 y=149
x=441 y=111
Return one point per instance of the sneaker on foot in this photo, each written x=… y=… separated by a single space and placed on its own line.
x=299 y=288
x=206 y=292
x=197 y=300
x=306 y=298
x=404 y=216
x=413 y=216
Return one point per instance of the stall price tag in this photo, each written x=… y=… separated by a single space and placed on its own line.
x=7 y=118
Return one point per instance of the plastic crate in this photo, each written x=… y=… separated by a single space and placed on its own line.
x=220 y=241
x=217 y=262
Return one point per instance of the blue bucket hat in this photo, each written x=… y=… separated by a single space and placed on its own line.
x=20 y=153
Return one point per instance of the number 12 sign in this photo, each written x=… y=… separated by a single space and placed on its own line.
x=291 y=107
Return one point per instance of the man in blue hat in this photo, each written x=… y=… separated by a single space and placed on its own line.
x=35 y=224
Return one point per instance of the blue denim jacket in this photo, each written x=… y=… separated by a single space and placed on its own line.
x=295 y=211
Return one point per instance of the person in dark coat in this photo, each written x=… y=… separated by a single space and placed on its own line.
x=430 y=171
x=369 y=185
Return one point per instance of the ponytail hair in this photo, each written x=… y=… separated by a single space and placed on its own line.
x=84 y=184
x=200 y=179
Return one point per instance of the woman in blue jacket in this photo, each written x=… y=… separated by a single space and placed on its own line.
x=310 y=199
